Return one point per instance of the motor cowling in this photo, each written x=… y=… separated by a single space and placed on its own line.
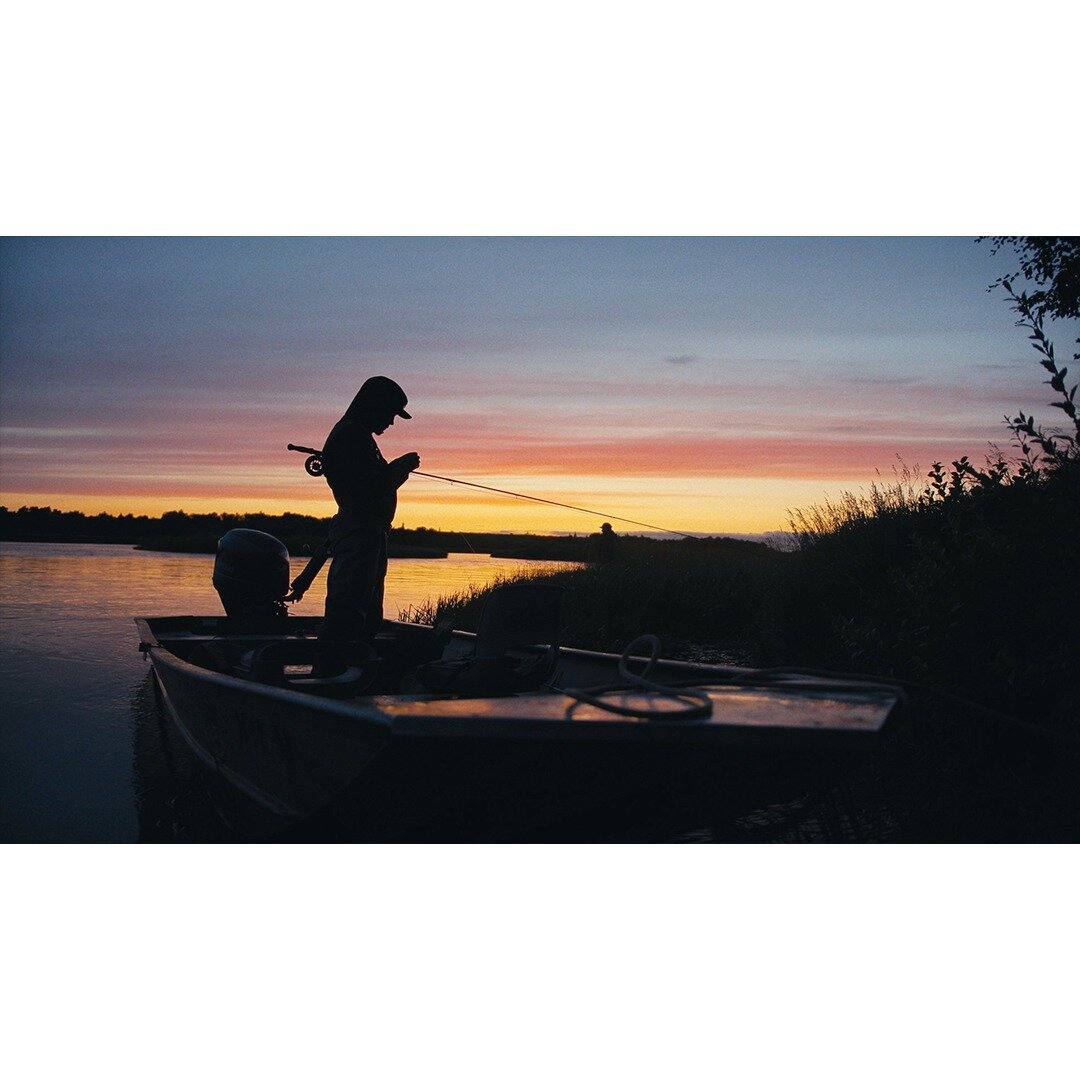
x=251 y=574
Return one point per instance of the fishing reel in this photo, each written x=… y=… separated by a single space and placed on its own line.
x=314 y=463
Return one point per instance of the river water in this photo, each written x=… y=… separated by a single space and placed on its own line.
x=75 y=689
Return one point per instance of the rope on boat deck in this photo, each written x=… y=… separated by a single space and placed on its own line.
x=695 y=704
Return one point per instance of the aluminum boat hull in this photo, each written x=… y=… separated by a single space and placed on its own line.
x=400 y=767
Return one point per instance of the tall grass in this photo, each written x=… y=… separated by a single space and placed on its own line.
x=700 y=597
x=967 y=586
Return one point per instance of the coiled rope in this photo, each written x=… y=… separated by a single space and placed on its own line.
x=695 y=704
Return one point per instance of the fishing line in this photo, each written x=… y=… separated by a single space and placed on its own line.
x=468 y=543
x=314 y=468
x=552 y=502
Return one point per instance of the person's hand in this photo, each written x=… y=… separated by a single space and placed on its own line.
x=407 y=462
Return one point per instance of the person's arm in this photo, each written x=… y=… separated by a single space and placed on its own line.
x=398 y=470
x=354 y=467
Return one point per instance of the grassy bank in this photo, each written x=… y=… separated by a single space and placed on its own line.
x=972 y=592
x=701 y=597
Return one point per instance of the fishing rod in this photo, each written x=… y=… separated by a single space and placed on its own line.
x=552 y=502
x=314 y=466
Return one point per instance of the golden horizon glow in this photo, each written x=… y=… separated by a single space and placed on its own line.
x=681 y=504
x=714 y=483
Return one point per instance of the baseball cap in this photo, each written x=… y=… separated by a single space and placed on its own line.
x=381 y=391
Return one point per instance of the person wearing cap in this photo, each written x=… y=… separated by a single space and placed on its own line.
x=364 y=485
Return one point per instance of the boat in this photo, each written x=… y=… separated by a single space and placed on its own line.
x=437 y=734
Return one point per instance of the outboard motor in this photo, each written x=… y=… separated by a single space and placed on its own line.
x=251 y=574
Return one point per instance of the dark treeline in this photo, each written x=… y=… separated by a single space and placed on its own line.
x=173 y=531
x=302 y=533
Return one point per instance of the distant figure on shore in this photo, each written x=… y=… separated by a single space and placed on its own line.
x=364 y=485
x=603 y=544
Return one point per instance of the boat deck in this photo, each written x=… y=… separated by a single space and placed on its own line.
x=775 y=713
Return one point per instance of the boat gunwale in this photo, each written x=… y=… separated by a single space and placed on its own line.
x=434 y=724
x=160 y=653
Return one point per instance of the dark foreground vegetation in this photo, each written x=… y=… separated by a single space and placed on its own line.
x=966 y=588
x=964 y=592
x=961 y=585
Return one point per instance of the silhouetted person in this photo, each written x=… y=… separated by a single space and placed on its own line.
x=604 y=543
x=365 y=489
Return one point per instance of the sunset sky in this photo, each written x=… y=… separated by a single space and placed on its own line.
x=706 y=385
